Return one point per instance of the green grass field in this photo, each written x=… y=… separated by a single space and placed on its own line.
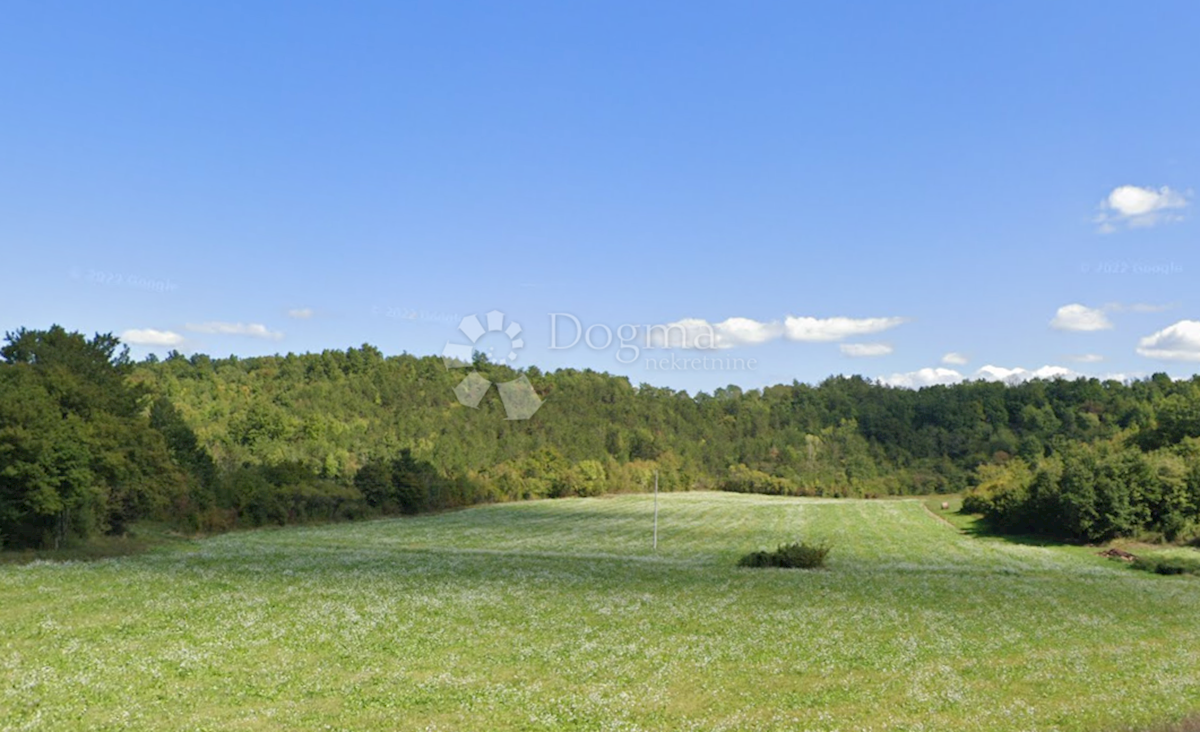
x=555 y=615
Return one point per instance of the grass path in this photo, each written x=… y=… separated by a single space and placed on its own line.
x=556 y=615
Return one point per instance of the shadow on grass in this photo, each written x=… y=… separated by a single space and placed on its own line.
x=949 y=509
x=982 y=529
x=137 y=541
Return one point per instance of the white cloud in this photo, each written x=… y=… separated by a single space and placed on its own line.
x=1137 y=201
x=1017 y=375
x=923 y=377
x=1135 y=207
x=954 y=359
x=835 y=329
x=701 y=334
x=254 y=330
x=300 y=313
x=745 y=332
x=1178 y=342
x=865 y=350
x=151 y=337
x=733 y=332
x=1080 y=318
x=1122 y=376
x=938 y=375
x=686 y=333
x=1087 y=358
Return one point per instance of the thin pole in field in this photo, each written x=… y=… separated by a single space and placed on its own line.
x=655 y=510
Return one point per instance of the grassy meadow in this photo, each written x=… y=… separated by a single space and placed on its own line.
x=556 y=615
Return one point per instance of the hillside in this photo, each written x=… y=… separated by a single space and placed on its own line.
x=91 y=442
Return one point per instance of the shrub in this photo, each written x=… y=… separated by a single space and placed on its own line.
x=798 y=555
x=1167 y=565
x=1090 y=492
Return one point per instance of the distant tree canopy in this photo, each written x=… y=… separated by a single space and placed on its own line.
x=90 y=441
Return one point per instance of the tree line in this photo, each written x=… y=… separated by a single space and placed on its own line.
x=91 y=441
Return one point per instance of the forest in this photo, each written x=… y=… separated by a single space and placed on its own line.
x=92 y=441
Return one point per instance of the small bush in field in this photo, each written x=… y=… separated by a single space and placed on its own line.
x=758 y=559
x=798 y=555
x=1167 y=565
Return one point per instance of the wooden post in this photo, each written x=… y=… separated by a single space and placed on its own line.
x=655 y=510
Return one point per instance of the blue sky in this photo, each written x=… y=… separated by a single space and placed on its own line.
x=860 y=188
